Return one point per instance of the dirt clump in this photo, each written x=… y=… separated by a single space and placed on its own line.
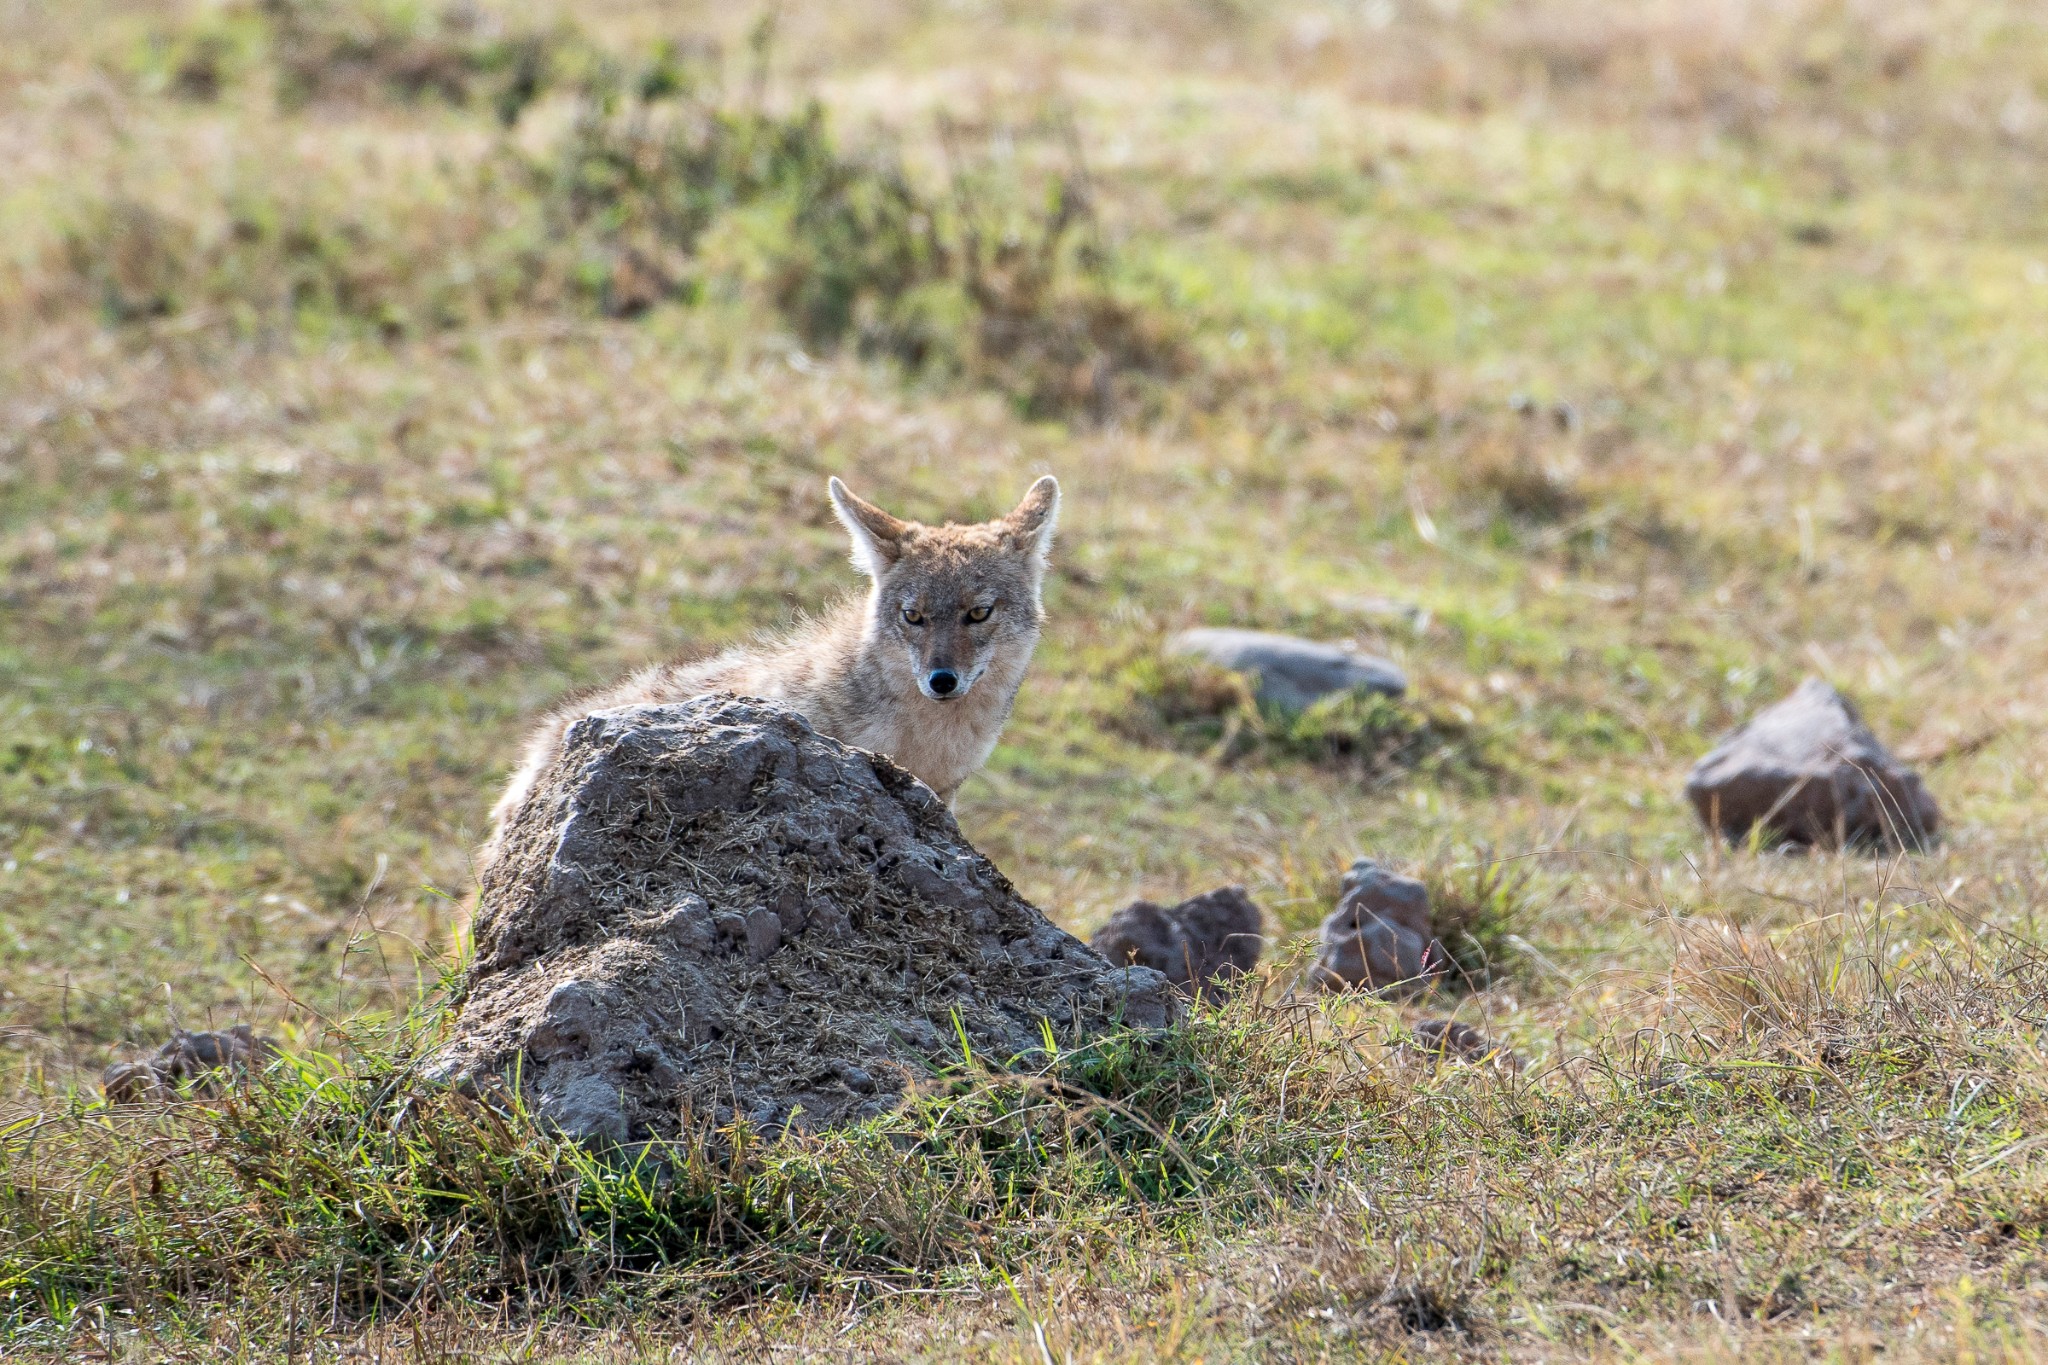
x=198 y=1060
x=706 y=912
x=1201 y=945
x=1451 y=1040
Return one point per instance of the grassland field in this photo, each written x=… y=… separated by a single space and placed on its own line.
x=373 y=373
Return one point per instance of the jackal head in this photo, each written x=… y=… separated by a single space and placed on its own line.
x=952 y=604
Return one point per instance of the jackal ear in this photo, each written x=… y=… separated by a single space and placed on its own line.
x=1031 y=522
x=877 y=537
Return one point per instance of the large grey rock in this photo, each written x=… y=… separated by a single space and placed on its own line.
x=1200 y=945
x=1290 y=672
x=1809 y=771
x=708 y=911
x=1380 y=937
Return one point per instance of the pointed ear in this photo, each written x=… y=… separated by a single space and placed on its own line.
x=1031 y=521
x=877 y=537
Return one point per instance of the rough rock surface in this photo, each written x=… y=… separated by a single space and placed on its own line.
x=707 y=910
x=1199 y=945
x=1380 y=936
x=187 y=1059
x=1811 y=772
x=1291 y=672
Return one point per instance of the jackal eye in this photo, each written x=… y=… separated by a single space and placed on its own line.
x=979 y=614
x=912 y=616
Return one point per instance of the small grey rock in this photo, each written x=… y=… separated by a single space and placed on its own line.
x=1199 y=945
x=571 y=1021
x=588 y=1106
x=1810 y=772
x=1141 y=998
x=1290 y=672
x=1403 y=900
x=1380 y=937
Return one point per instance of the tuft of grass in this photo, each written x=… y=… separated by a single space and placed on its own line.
x=1194 y=705
x=1522 y=467
x=351 y=51
x=652 y=165
x=1050 y=329
x=1526 y=489
x=136 y=261
x=1482 y=906
x=983 y=282
x=1818 y=985
x=1378 y=737
x=1162 y=695
x=353 y=1186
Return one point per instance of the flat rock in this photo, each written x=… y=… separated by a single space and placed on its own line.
x=1200 y=945
x=707 y=911
x=1810 y=772
x=1379 y=937
x=1290 y=672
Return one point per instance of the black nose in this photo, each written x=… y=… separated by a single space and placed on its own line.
x=943 y=681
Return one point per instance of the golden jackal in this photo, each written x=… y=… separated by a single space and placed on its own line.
x=924 y=669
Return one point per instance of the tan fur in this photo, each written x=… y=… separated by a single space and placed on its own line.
x=855 y=673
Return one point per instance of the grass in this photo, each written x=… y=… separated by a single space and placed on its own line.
x=1195 y=706
x=325 y=1182
x=1479 y=904
x=371 y=374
